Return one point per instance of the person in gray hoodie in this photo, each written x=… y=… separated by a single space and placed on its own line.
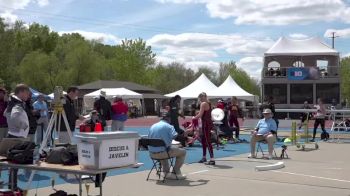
x=17 y=119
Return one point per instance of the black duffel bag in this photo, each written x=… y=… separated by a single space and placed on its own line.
x=63 y=155
x=21 y=153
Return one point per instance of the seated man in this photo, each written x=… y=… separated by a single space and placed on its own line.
x=163 y=130
x=265 y=130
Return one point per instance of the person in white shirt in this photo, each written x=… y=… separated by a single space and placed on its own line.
x=17 y=119
x=319 y=117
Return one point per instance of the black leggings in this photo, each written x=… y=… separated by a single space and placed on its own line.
x=319 y=121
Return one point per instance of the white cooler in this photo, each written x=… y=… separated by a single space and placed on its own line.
x=107 y=149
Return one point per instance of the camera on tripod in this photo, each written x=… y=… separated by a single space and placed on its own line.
x=58 y=96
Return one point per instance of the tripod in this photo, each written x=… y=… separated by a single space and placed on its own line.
x=55 y=123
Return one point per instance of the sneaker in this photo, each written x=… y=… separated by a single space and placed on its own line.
x=269 y=157
x=170 y=176
x=180 y=176
x=251 y=156
x=211 y=162
x=203 y=160
x=313 y=140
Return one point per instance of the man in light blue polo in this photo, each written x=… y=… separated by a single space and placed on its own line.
x=41 y=107
x=163 y=130
x=265 y=130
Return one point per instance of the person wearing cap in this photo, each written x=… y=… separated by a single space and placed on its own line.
x=163 y=130
x=42 y=122
x=94 y=118
x=265 y=130
x=119 y=114
x=104 y=108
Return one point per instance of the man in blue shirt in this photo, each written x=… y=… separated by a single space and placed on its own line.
x=265 y=130
x=41 y=107
x=163 y=130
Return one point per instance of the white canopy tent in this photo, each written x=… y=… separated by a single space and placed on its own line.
x=110 y=93
x=202 y=84
x=305 y=47
x=52 y=94
x=230 y=88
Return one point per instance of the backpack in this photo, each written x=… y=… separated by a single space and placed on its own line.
x=324 y=135
x=21 y=153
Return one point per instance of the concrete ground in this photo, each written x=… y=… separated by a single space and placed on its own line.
x=312 y=172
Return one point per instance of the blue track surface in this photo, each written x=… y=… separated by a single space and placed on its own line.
x=43 y=179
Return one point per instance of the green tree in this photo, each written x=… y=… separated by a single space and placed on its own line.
x=210 y=73
x=241 y=77
x=133 y=57
x=171 y=77
x=40 y=71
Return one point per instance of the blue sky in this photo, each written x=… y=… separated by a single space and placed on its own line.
x=195 y=32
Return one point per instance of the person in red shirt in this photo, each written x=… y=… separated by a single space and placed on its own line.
x=119 y=114
x=235 y=113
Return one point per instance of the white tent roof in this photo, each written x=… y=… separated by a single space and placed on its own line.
x=202 y=84
x=89 y=99
x=52 y=95
x=111 y=92
x=306 y=47
x=230 y=88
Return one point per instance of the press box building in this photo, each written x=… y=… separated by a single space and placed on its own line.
x=301 y=70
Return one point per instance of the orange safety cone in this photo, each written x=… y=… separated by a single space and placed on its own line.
x=98 y=127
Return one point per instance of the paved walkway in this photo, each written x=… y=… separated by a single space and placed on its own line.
x=316 y=172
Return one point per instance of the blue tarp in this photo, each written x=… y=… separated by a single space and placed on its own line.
x=36 y=93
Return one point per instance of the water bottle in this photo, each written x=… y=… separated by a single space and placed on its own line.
x=36 y=155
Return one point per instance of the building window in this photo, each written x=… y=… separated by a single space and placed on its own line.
x=277 y=91
x=299 y=93
x=322 y=66
x=298 y=64
x=273 y=69
x=328 y=92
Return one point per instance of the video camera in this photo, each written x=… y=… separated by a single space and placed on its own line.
x=58 y=96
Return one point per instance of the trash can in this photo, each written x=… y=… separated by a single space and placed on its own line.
x=107 y=149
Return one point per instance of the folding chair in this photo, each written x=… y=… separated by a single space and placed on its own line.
x=157 y=162
x=259 y=148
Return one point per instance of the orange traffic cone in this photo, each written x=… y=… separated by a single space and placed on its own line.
x=98 y=127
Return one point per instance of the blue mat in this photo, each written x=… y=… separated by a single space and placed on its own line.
x=43 y=179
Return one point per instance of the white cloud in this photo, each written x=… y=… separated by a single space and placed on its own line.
x=298 y=36
x=199 y=49
x=8 y=17
x=344 y=33
x=252 y=65
x=345 y=55
x=14 y=4
x=100 y=37
x=195 y=65
x=7 y=7
x=43 y=3
x=201 y=46
x=274 y=12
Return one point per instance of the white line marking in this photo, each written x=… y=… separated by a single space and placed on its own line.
x=198 y=172
x=334 y=168
x=319 y=177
